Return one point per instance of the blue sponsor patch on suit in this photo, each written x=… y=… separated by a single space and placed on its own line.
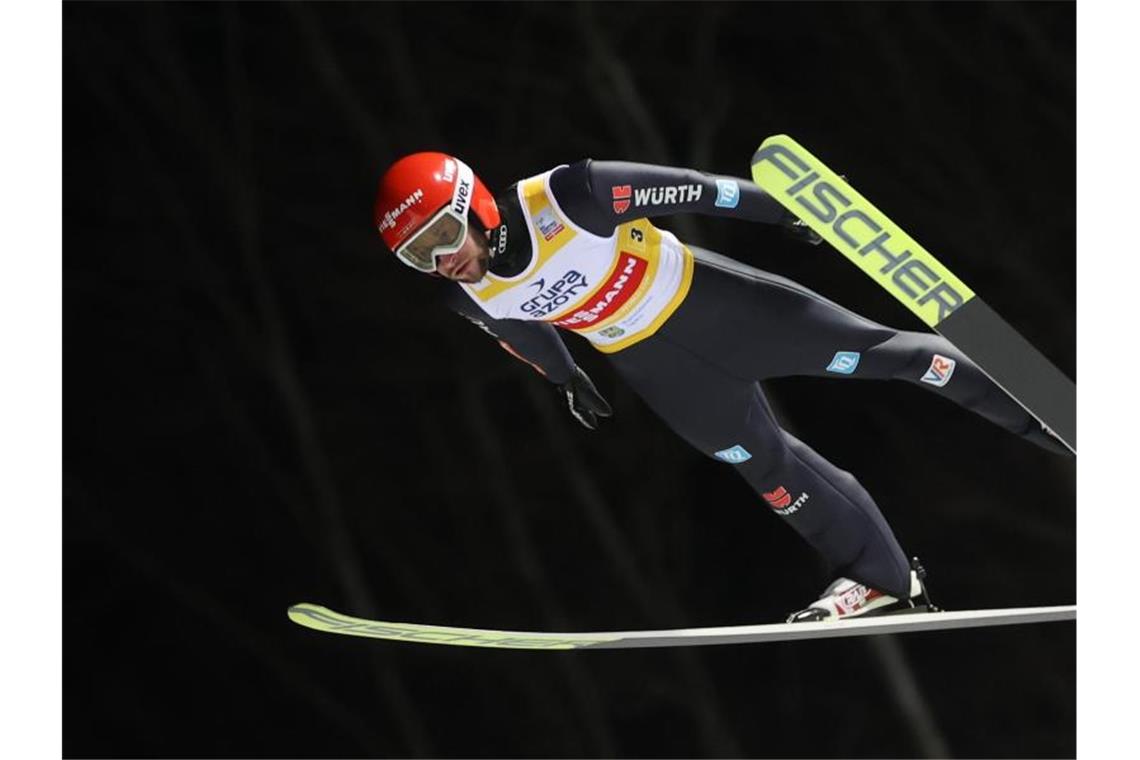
x=844 y=362
x=727 y=193
x=734 y=455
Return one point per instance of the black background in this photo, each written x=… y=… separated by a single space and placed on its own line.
x=261 y=410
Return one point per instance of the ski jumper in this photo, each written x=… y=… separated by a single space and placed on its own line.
x=694 y=332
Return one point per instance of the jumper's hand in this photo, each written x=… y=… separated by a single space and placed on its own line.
x=585 y=403
x=798 y=229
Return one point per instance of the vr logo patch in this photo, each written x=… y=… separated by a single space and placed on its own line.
x=727 y=193
x=941 y=368
x=844 y=362
x=734 y=455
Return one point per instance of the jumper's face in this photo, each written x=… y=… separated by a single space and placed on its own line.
x=470 y=262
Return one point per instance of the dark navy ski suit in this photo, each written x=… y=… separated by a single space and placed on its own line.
x=738 y=325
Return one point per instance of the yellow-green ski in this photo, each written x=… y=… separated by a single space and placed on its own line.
x=858 y=230
x=323 y=619
x=885 y=252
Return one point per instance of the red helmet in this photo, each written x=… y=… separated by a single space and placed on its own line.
x=422 y=206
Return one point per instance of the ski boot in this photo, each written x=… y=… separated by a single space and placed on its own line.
x=846 y=599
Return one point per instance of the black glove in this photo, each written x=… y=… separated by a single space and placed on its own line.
x=585 y=403
x=797 y=228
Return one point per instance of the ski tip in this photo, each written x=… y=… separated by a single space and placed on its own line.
x=768 y=158
x=305 y=613
x=772 y=140
x=320 y=618
x=302 y=606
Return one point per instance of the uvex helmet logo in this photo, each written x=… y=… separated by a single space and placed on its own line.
x=621 y=195
x=462 y=197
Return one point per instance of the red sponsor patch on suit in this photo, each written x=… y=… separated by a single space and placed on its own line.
x=611 y=294
x=621 y=195
x=779 y=498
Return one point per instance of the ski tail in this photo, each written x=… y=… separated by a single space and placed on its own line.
x=900 y=265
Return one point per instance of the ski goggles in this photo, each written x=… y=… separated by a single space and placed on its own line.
x=446 y=231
